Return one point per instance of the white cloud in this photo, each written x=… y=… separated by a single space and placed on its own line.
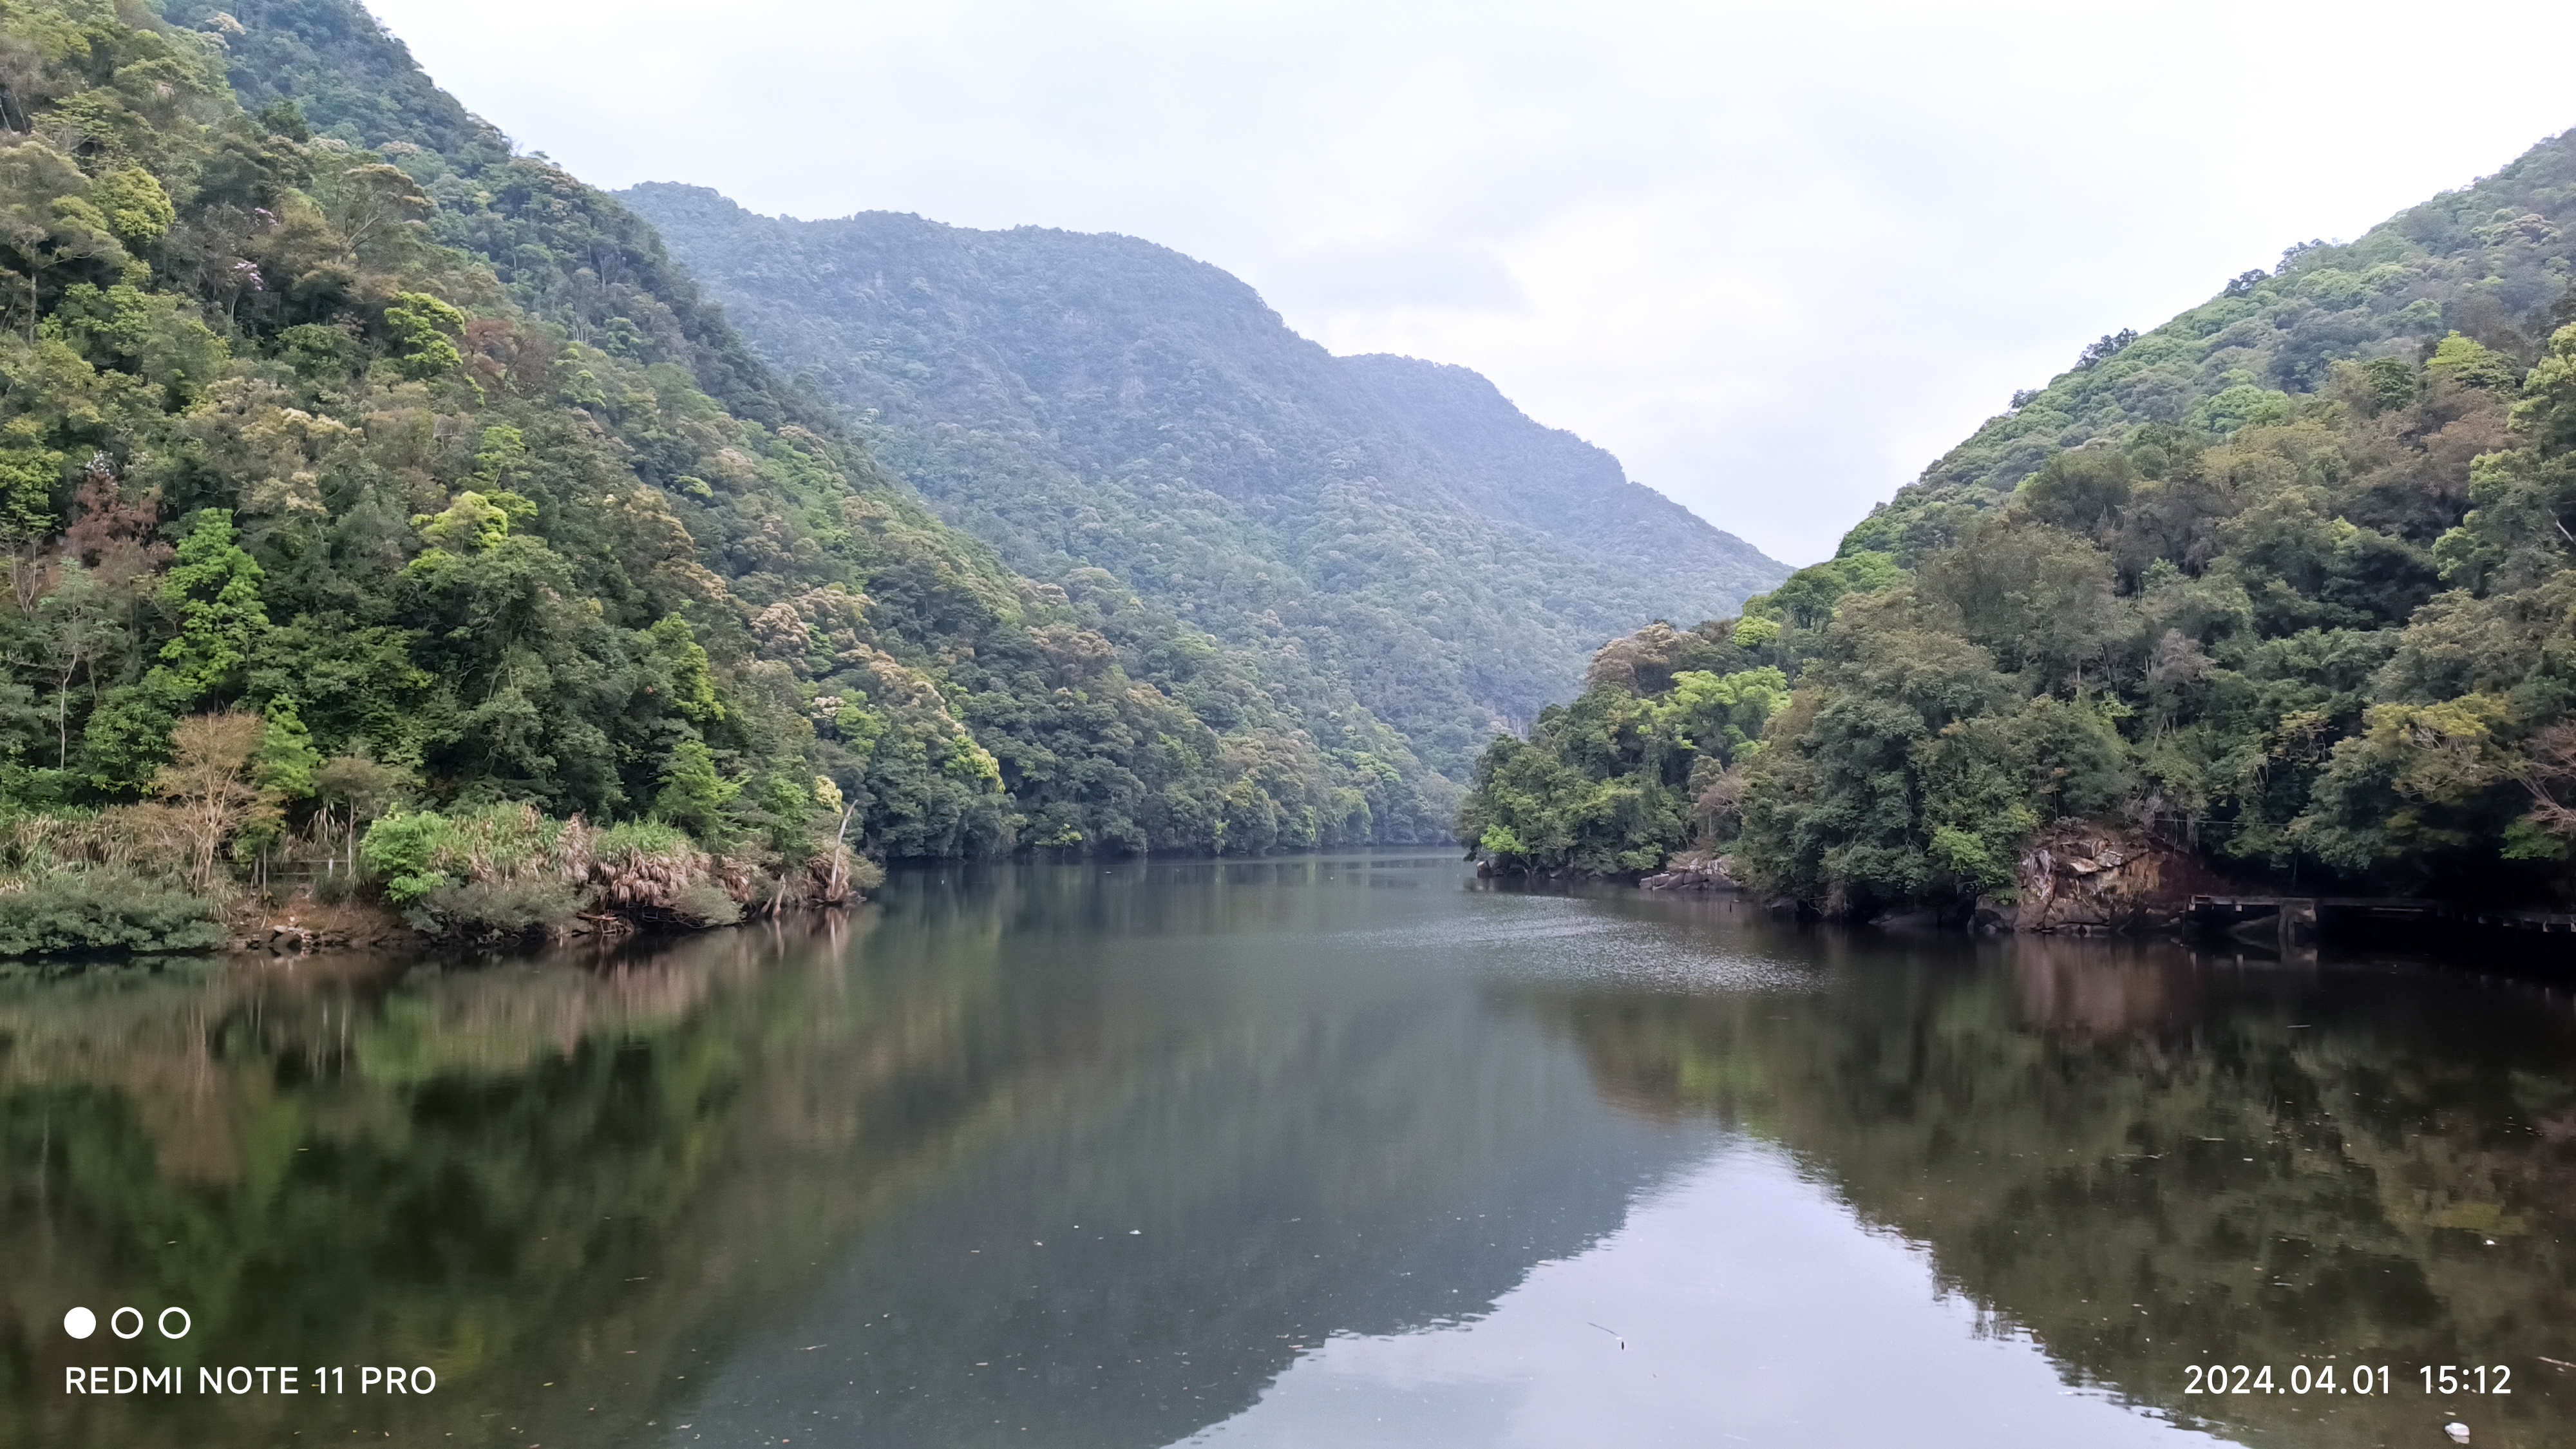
x=1775 y=257
x=1386 y=277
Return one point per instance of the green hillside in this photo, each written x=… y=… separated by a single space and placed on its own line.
x=315 y=515
x=2486 y=261
x=599 y=272
x=2286 y=581
x=567 y=252
x=1101 y=401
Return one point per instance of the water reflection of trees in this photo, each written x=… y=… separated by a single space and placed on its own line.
x=602 y=1174
x=1304 y=1140
x=2148 y=1160
x=506 y=1173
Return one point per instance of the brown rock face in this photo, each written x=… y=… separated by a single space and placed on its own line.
x=1692 y=870
x=2086 y=878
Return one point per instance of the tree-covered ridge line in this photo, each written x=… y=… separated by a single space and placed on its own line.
x=568 y=252
x=1383 y=524
x=273 y=453
x=2486 y=261
x=2324 y=639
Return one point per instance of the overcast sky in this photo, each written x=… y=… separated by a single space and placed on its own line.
x=1775 y=257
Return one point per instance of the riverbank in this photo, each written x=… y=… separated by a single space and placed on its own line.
x=103 y=911
x=2081 y=879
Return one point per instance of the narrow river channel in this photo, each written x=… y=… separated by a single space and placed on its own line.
x=1344 y=1150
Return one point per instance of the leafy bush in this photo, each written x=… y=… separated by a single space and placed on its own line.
x=704 y=903
x=1612 y=783
x=416 y=853
x=402 y=851
x=502 y=870
x=104 y=909
x=516 y=908
x=866 y=876
x=507 y=870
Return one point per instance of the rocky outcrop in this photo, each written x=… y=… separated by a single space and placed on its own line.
x=2086 y=878
x=303 y=926
x=1692 y=870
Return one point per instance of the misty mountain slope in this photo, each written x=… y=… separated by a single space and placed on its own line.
x=1545 y=478
x=1098 y=400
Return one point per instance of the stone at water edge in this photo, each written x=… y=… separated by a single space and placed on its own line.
x=2086 y=876
x=2459 y=1432
x=1693 y=870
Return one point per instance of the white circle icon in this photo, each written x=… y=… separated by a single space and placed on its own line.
x=80 y=1323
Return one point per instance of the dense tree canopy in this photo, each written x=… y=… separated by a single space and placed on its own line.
x=2316 y=629
x=2487 y=261
x=277 y=439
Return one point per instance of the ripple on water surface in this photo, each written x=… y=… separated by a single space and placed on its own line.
x=1539 y=939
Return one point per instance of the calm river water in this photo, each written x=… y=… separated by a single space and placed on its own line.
x=1326 y=1151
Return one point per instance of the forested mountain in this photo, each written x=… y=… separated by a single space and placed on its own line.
x=2486 y=261
x=1100 y=401
x=315 y=514
x=567 y=252
x=2289 y=581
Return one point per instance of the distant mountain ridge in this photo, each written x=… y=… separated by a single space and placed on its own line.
x=1093 y=400
x=1510 y=460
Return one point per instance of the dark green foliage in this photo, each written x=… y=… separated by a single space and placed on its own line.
x=568 y=252
x=2487 y=261
x=1630 y=771
x=501 y=910
x=2230 y=639
x=1114 y=767
x=2331 y=641
x=1807 y=597
x=930 y=601
x=1903 y=772
x=1375 y=527
x=104 y=910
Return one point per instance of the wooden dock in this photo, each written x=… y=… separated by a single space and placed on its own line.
x=2296 y=922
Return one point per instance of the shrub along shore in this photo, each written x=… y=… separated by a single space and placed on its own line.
x=215 y=851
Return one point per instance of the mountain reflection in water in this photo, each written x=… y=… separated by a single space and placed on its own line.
x=1324 y=1150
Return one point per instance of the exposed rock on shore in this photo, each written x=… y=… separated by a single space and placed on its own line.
x=2086 y=878
x=300 y=925
x=1692 y=870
